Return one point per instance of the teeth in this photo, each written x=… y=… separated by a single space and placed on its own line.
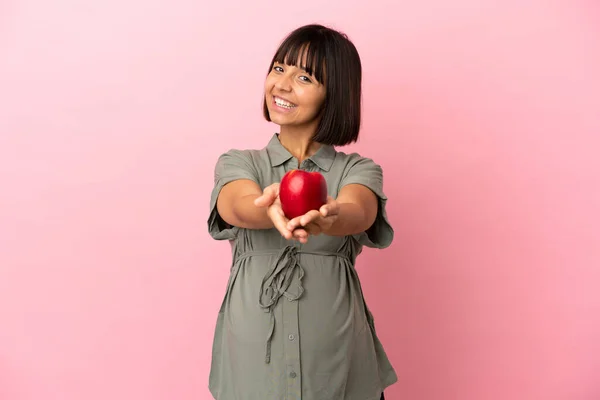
x=283 y=103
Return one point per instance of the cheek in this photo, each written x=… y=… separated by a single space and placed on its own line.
x=321 y=101
x=269 y=83
x=310 y=100
x=318 y=102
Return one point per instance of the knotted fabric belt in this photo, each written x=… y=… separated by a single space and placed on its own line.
x=277 y=281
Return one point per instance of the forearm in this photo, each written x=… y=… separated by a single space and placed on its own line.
x=351 y=220
x=250 y=216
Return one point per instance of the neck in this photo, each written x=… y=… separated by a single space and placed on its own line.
x=298 y=142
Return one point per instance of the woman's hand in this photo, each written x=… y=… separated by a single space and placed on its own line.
x=319 y=221
x=270 y=199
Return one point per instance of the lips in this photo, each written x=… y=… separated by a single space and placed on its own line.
x=281 y=102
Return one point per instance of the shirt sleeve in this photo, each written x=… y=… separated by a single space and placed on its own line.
x=232 y=165
x=366 y=172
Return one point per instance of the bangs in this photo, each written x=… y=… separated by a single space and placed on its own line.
x=304 y=52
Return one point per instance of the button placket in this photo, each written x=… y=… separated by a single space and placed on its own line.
x=292 y=349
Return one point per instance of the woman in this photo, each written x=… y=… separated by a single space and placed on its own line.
x=293 y=323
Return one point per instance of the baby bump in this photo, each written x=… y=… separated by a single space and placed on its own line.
x=327 y=290
x=331 y=311
x=246 y=320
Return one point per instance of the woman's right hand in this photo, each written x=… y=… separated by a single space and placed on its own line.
x=270 y=199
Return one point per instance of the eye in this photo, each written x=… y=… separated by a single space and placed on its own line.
x=305 y=78
x=277 y=68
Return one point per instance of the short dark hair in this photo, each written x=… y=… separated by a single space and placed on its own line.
x=334 y=61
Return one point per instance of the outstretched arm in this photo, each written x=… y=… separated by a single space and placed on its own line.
x=243 y=204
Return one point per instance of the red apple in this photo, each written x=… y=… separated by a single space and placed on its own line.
x=302 y=191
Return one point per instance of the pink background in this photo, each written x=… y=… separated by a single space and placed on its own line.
x=484 y=114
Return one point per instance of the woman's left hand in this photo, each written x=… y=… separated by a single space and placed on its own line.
x=316 y=222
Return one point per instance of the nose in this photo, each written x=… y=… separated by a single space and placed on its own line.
x=284 y=83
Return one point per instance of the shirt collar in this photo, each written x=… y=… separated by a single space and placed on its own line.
x=278 y=154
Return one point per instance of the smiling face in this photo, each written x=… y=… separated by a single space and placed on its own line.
x=293 y=96
x=313 y=86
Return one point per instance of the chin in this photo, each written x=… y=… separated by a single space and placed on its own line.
x=278 y=119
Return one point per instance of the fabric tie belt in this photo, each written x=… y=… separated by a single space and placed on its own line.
x=277 y=281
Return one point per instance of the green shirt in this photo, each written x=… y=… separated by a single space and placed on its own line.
x=293 y=324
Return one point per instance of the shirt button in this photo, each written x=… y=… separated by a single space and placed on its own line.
x=291 y=336
x=292 y=374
